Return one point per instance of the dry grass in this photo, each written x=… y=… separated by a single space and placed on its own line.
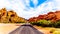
x=47 y=30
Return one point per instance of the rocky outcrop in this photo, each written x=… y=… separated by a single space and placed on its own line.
x=53 y=16
x=10 y=16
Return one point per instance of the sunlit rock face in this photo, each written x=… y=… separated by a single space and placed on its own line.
x=3 y=15
x=52 y=16
x=11 y=13
x=9 y=16
x=3 y=12
x=57 y=13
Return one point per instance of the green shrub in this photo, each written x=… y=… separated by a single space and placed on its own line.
x=44 y=22
x=57 y=23
x=47 y=23
x=35 y=23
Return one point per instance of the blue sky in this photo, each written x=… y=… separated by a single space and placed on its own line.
x=30 y=8
x=39 y=3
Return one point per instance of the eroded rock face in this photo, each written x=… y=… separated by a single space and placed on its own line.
x=10 y=16
x=11 y=13
x=3 y=12
x=33 y=19
x=57 y=13
x=50 y=15
x=3 y=15
x=53 y=16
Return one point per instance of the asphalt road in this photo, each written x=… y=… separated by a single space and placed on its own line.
x=26 y=29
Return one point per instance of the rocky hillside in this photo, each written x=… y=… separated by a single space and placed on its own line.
x=10 y=16
x=52 y=16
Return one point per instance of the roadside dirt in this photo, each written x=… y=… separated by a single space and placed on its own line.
x=44 y=30
x=6 y=28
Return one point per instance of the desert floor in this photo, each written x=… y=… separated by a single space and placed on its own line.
x=6 y=28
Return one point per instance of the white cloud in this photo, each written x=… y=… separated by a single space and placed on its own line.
x=23 y=8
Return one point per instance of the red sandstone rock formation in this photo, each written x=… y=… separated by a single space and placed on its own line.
x=53 y=16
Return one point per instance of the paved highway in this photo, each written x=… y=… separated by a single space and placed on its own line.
x=26 y=29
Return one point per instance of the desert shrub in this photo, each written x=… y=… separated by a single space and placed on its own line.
x=52 y=30
x=44 y=22
x=47 y=23
x=57 y=24
x=56 y=32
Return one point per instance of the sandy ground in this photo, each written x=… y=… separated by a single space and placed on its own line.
x=44 y=30
x=6 y=28
x=47 y=30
